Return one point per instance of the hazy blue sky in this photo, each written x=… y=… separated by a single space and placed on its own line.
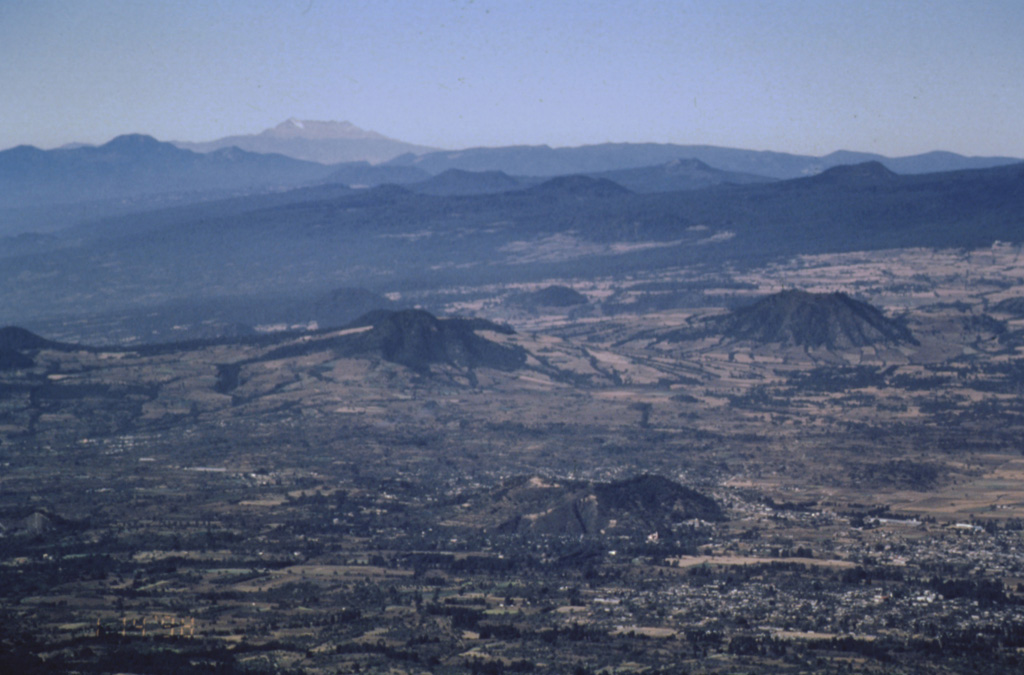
x=895 y=77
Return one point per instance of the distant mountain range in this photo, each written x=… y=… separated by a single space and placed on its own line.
x=337 y=142
x=50 y=189
x=389 y=237
x=137 y=223
x=43 y=191
x=677 y=174
x=312 y=141
x=542 y=160
x=136 y=166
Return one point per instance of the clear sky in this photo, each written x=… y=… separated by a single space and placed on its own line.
x=896 y=77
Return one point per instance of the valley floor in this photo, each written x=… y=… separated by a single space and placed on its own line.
x=322 y=513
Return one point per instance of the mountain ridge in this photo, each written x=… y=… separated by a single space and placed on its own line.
x=135 y=164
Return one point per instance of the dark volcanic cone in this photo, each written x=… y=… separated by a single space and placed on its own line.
x=458 y=182
x=550 y=296
x=416 y=339
x=866 y=173
x=635 y=506
x=577 y=187
x=15 y=338
x=14 y=341
x=799 y=318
